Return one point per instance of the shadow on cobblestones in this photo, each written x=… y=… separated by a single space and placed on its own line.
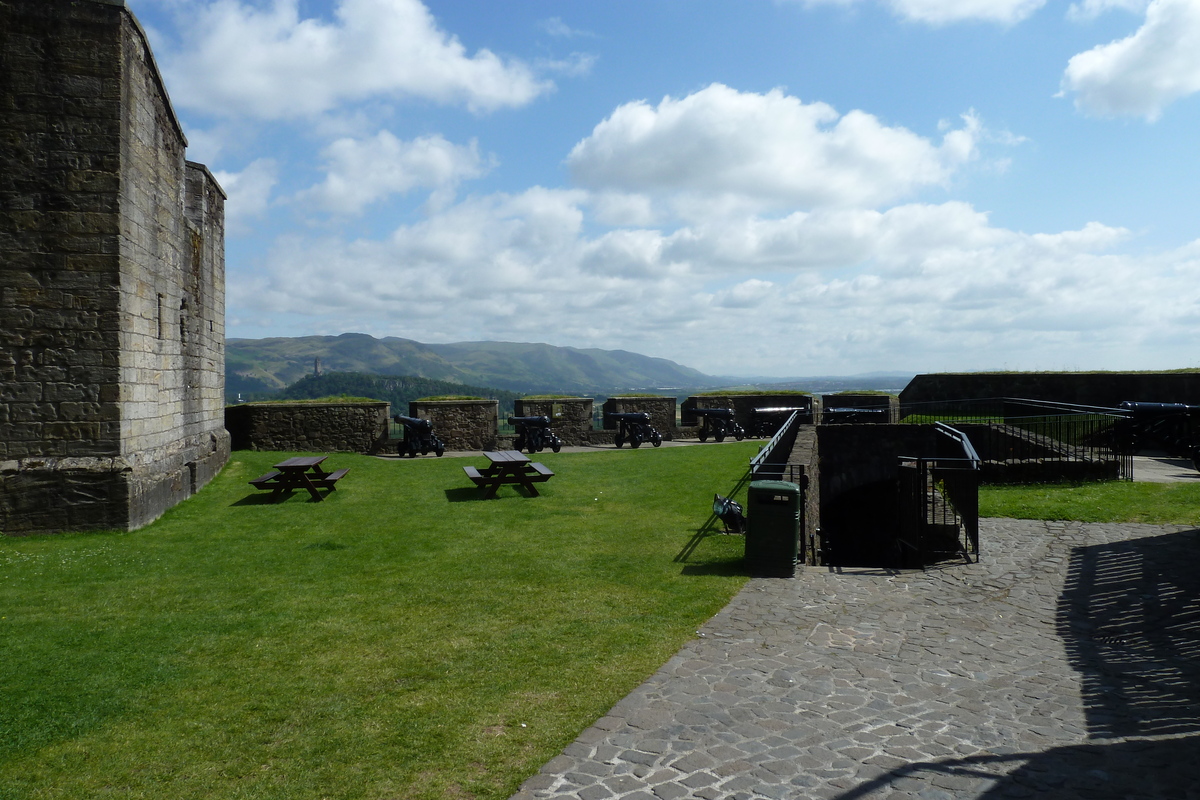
x=1132 y=769
x=1130 y=617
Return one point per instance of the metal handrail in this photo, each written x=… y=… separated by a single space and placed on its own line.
x=768 y=449
x=963 y=441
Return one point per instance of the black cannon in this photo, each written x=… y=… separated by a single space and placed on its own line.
x=1169 y=426
x=718 y=422
x=418 y=437
x=838 y=416
x=634 y=427
x=534 y=434
x=766 y=422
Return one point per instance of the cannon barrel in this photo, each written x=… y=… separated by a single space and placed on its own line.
x=1143 y=410
x=719 y=413
x=413 y=422
x=779 y=410
x=530 y=422
x=630 y=416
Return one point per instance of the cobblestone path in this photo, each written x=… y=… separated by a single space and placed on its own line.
x=1065 y=665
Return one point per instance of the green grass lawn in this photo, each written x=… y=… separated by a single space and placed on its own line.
x=1110 y=501
x=402 y=639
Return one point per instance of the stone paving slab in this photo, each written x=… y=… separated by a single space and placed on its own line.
x=1065 y=664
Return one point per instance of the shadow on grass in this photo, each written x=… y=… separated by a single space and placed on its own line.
x=721 y=569
x=265 y=499
x=463 y=494
x=255 y=500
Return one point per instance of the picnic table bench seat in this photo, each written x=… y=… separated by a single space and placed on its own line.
x=329 y=480
x=265 y=481
x=543 y=472
x=474 y=475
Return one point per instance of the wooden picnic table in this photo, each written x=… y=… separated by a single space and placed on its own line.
x=508 y=467
x=299 y=472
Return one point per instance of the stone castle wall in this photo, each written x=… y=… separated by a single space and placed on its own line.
x=360 y=427
x=112 y=287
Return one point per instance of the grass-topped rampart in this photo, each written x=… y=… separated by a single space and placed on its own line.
x=318 y=400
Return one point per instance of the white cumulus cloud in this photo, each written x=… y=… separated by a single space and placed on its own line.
x=1143 y=73
x=943 y=12
x=765 y=150
x=268 y=62
x=248 y=192
x=1090 y=9
x=859 y=286
x=361 y=171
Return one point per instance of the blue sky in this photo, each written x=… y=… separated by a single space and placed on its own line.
x=749 y=187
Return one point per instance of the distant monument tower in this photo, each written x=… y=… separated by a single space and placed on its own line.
x=112 y=259
x=317 y=367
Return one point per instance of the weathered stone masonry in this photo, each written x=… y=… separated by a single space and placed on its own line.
x=111 y=278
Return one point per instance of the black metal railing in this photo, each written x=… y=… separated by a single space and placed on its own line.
x=939 y=502
x=1054 y=441
x=772 y=462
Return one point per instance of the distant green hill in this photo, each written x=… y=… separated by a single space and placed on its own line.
x=398 y=390
x=268 y=365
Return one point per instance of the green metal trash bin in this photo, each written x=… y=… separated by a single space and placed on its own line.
x=773 y=514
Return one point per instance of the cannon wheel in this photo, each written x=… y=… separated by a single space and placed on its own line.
x=703 y=435
x=720 y=437
x=635 y=441
x=741 y=434
x=619 y=440
x=657 y=440
x=556 y=446
x=439 y=449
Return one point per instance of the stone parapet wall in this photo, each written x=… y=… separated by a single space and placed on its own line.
x=570 y=417
x=309 y=427
x=1104 y=389
x=461 y=424
x=660 y=409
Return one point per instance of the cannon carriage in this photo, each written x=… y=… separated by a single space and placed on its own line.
x=634 y=427
x=534 y=434
x=718 y=423
x=418 y=437
x=766 y=422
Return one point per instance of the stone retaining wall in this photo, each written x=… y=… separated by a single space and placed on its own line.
x=461 y=424
x=309 y=427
